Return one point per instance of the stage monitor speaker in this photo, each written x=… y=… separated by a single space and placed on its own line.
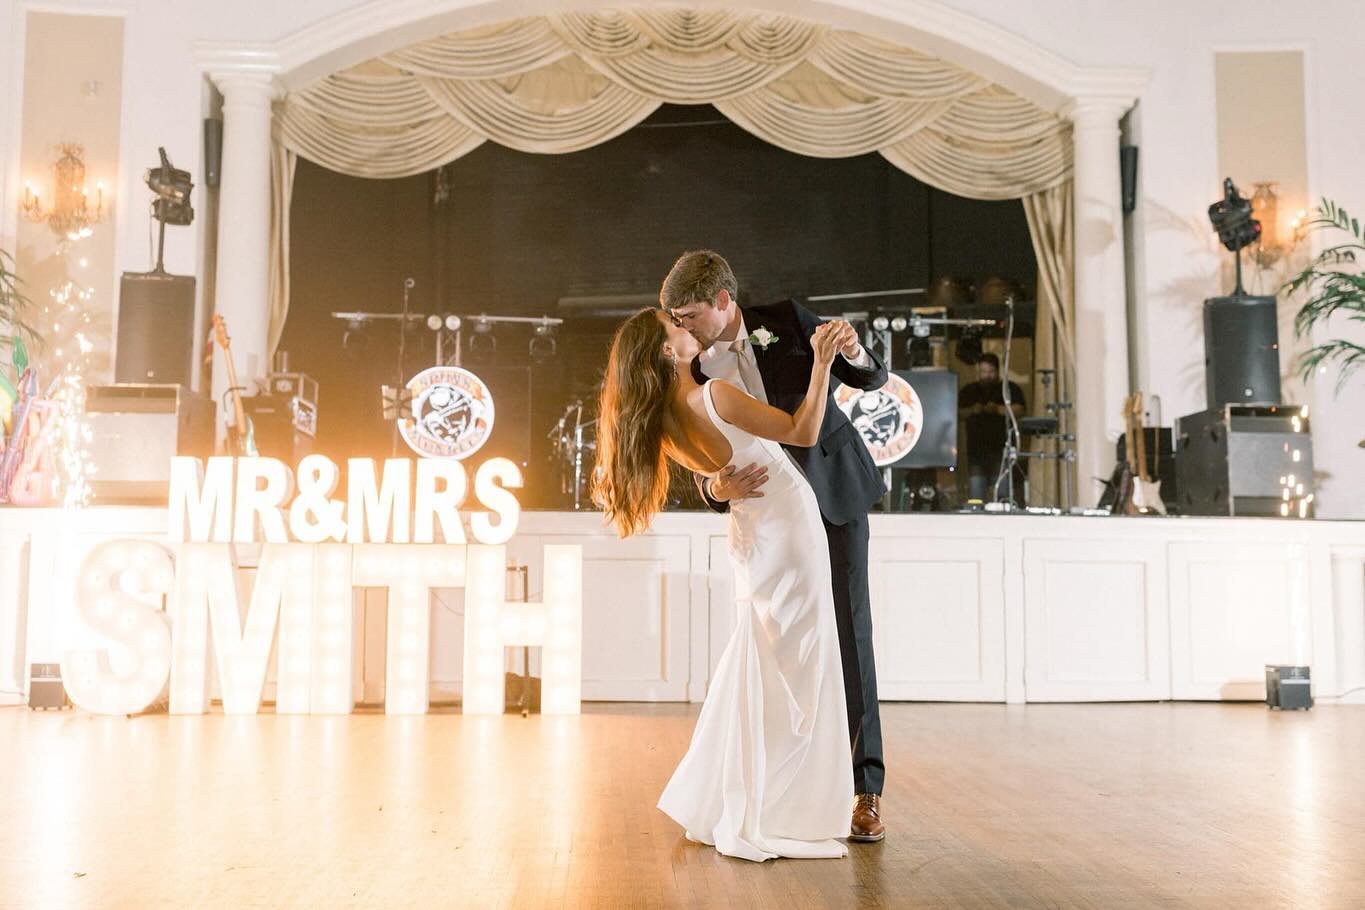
x=155 y=329
x=135 y=431
x=213 y=151
x=1253 y=461
x=1128 y=161
x=1241 y=351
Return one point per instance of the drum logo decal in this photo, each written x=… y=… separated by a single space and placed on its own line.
x=889 y=419
x=451 y=413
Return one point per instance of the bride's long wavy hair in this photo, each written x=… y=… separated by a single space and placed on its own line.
x=630 y=483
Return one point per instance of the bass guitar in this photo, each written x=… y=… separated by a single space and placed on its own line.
x=241 y=434
x=1146 y=489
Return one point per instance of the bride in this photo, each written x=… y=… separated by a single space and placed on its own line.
x=768 y=771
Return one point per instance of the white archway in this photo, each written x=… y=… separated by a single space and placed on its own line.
x=1093 y=98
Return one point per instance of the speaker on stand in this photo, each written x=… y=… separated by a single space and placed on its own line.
x=1241 y=351
x=155 y=329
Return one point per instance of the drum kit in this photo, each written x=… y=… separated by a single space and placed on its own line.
x=573 y=442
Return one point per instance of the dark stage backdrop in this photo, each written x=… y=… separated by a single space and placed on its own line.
x=506 y=232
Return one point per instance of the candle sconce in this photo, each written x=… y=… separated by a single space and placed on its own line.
x=70 y=215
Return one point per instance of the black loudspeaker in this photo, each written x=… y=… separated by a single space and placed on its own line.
x=45 y=689
x=1128 y=158
x=275 y=428
x=1241 y=351
x=1237 y=460
x=155 y=329
x=213 y=151
x=510 y=387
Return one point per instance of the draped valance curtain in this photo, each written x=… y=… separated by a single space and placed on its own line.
x=563 y=83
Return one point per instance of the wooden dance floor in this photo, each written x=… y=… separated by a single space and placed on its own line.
x=1101 y=806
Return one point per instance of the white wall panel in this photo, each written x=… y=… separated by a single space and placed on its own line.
x=1095 y=620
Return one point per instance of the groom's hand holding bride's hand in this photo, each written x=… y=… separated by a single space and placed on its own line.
x=730 y=484
x=846 y=338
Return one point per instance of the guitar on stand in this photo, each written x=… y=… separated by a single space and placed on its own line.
x=1146 y=489
x=241 y=435
x=1119 y=488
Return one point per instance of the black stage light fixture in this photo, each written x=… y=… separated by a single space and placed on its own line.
x=969 y=345
x=1231 y=217
x=482 y=342
x=543 y=345
x=172 y=187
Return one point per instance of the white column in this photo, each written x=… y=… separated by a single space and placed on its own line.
x=1101 y=310
x=243 y=268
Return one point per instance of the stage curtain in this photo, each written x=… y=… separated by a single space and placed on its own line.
x=1051 y=222
x=562 y=83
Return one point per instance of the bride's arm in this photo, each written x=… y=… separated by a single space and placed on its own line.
x=799 y=429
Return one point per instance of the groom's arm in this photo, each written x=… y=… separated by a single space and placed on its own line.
x=865 y=371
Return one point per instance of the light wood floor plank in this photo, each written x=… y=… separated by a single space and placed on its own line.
x=1085 y=806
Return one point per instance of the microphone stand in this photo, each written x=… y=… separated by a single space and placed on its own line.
x=402 y=384
x=1009 y=459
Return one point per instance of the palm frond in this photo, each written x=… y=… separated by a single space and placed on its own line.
x=1348 y=356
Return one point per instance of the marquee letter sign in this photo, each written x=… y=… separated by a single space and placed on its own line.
x=300 y=603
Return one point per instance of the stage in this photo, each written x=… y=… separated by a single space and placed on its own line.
x=984 y=608
x=1105 y=806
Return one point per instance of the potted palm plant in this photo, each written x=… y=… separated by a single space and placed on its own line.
x=1335 y=286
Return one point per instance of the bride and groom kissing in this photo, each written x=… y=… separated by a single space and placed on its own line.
x=789 y=736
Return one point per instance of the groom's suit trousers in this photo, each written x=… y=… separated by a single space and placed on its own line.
x=853 y=615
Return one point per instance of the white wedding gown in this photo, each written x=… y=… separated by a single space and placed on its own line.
x=769 y=771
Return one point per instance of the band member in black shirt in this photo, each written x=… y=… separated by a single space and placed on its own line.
x=981 y=405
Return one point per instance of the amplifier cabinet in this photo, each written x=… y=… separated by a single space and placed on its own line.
x=1245 y=460
x=135 y=431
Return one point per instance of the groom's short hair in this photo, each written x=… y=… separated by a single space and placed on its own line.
x=697 y=277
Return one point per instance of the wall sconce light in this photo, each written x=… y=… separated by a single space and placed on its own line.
x=1273 y=244
x=70 y=215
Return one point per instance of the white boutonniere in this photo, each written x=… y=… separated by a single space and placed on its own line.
x=761 y=338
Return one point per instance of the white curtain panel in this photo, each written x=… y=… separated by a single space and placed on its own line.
x=563 y=83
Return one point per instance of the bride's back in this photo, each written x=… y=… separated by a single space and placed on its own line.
x=691 y=438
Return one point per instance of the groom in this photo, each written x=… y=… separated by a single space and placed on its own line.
x=766 y=351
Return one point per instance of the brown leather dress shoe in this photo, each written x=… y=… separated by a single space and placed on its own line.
x=867 y=827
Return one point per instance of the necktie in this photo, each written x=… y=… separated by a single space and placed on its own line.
x=748 y=369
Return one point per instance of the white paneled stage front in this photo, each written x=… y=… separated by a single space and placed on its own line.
x=988 y=608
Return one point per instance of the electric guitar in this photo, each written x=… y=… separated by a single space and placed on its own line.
x=1118 y=489
x=1146 y=490
x=241 y=434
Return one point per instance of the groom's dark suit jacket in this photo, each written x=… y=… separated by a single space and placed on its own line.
x=838 y=467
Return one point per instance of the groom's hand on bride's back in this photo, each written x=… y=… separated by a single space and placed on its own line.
x=731 y=484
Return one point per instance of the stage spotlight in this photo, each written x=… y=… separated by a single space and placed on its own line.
x=969 y=345
x=453 y=323
x=898 y=324
x=920 y=328
x=354 y=339
x=543 y=345
x=434 y=322
x=1231 y=217
x=880 y=324
x=172 y=187
x=482 y=342
x=919 y=351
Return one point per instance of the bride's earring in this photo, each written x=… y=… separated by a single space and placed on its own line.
x=672 y=356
